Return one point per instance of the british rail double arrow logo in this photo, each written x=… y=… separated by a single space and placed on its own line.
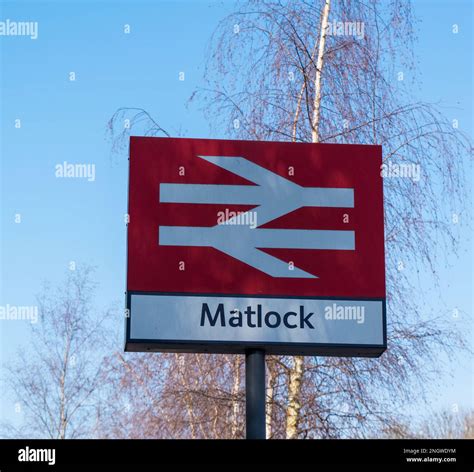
x=273 y=197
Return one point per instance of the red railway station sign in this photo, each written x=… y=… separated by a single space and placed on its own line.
x=235 y=245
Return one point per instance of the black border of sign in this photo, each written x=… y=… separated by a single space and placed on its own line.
x=234 y=347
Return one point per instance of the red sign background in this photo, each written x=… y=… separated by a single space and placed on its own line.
x=341 y=273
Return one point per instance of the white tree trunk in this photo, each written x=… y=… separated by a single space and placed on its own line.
x=235 y=402
x=297 y=371
x=269 y=400
x=187 y=398
x=63 y=420
x=294 y=394
x=319 y=71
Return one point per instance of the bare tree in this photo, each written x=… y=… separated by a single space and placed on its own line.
x=276 y=73
x=458 y=424
x=444 y=424
x=173 y=395
x=56 y=378
x=279 y=70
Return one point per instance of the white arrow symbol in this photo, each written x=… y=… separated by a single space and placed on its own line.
x=274 y=196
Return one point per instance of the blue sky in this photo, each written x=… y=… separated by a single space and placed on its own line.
x=67 y=220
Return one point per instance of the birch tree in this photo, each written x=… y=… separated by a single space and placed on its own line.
x=56 y=378
x=189 y=396
x=283 y=71
x=296 y=375
x=329 y=71
x=456 y=423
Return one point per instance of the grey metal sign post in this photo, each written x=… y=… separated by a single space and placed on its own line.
x=255 y=393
